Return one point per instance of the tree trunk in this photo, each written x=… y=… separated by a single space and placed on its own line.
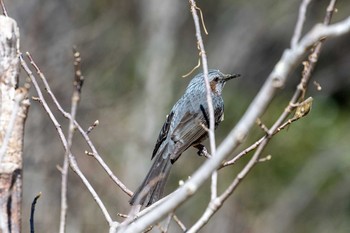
x=13 y=112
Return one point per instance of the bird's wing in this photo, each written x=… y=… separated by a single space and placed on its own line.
x=163 y=133
x=190 y=130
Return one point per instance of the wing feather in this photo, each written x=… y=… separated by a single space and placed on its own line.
x=163 y=133
x=188 y=132
x=191 y=130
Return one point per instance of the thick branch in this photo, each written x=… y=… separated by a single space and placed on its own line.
x=275 y=81
x=301 y=111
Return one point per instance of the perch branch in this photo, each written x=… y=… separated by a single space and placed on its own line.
x=203 y=56
x=303 y=109
x=274 y=82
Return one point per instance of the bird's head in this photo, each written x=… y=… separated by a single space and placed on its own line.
x=217 y=80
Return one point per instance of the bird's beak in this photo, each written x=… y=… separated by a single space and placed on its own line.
x=231 y=76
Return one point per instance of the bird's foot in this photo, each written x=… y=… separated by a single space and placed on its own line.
x=202 y=151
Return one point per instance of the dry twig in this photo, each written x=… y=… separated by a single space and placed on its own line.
x=72 y=161
x=3 y=8
x=86 y=137
x=77 y=85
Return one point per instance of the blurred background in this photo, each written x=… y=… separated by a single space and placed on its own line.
x=133 y=56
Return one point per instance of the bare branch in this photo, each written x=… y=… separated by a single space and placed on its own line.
x=203 y=55
x=77 y=85
x=72 y=160
x=274 y=82
x=300 y=23
x=91 y=127
x=302 y=110
x=244 y=152
x=3 y=8
x=181 y=225
x=86 y=137
x=167 y=224
x=64 y=190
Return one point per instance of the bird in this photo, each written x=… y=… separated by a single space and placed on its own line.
x=186 y=125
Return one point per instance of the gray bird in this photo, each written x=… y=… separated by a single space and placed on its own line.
x=184 y=127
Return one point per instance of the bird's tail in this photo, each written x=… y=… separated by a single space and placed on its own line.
x=152 y=187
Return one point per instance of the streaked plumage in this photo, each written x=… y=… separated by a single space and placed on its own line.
x=183 y=128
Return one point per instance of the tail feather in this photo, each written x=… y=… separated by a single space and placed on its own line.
x=152 y=187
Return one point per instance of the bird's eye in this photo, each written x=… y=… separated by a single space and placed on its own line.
x=216 y=79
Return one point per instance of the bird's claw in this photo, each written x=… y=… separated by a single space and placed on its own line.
x=202 y=151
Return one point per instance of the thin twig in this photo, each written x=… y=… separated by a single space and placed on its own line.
x=264 y=159
x=64 y=190
x=306 y=75
x=167 y=223
x=261 y=125
x=77 y=85
x=32 y=210
x=312 y=60
x=276 y=80
x=303 y=109
x=300 y=23
x=309 y=65
x=122 y=215
x=3 y=8
x=86 y=137
x=72 y=160
x=244 y=152
x=181 y=225
x=91 y=127
x=211 y=132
